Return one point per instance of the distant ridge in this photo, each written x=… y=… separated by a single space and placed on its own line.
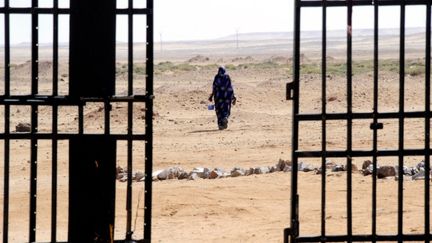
x=317 y=34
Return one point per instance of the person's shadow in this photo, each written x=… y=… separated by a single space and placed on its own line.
x=205 y=131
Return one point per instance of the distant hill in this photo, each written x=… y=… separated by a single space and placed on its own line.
x=317 y=34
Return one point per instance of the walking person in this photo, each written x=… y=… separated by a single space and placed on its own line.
x=223 y=94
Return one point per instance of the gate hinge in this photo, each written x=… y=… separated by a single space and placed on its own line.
x=376 y=126
x=290 y=91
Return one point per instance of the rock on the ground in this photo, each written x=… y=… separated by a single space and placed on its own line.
x=419 y=176
x=304 y=167
x=280 y=166
x=139 y=176
x=193 y=176
x=386 y=171
x=287 y=168
x=170 y=173
x=183 y=175
x=338 y=168
x=366 y=164
x=216 y=173
x=261 y=170
x=23 y=127
x=120 y=175
x=201 y=172
x=124 y=178
x=273 y=169
x=330 y=165
x=249 y=171
x=155 y=174
x=236 y=172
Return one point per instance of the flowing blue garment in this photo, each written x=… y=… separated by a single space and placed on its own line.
x=223 y=95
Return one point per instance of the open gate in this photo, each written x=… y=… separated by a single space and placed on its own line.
x=91 y=156
x=292 y=234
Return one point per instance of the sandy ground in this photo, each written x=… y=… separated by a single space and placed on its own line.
x=247 y=209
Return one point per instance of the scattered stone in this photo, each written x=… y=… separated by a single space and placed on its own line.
x=282 y=164
x=386 y=171
x=330 y=165
x=183 y=175
x=366 y=164
x=120 y=170
x=23 y=127
x=120 y=175
x=226 y=175
x=421 y=166
x=249 y=172
x=273 y=169
x=193 y=177
x=338 y=168
x=236 y=172
x=201 y=172
x=155 y=175
x=170 y=173
x=261 y=170
x=419 y=176
x=216 y=173
x=304 y=167
x=287 y=169
x=138 y=176
x=124 y=178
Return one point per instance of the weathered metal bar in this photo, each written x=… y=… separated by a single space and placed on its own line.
x=6 y=126
x=130 y=123
x=427 y=121
x=349 y=120
x=54 y=142
x=401 y=118
x=324 y=121
x=375 y=119
x=148 y=189
x=34 y=122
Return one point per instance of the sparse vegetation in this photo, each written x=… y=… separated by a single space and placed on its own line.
x=414 y=67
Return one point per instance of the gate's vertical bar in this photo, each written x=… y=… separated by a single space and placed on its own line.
x=296 y=76
x=130 y=123
x=401 y=118
x=349 y=121
x=54 y=127
x=34 y=122
x=149 y=125
x=427 y=121
x=323 y=124
x=375 y=119
x=7 y=124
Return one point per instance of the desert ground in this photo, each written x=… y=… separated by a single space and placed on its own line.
x=252 y=208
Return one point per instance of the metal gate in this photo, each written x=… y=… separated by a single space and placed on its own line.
x=92 y=155
x=293 y=92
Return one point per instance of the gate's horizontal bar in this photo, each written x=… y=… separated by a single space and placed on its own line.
x=370 y=238
x=345 y=116
x=361 y=153
x=133 y=11
x=65 y=136
x=4 y=10
x=65 y=100
x=344 y=3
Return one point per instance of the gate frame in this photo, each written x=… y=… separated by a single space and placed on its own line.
x=34 y=100
x=292 y=234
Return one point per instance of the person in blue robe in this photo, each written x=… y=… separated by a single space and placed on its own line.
x=223 y=94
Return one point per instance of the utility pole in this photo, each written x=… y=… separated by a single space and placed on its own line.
x=161 y=43
x=237 y=38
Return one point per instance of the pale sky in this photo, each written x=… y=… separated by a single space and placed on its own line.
x=208 y=19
